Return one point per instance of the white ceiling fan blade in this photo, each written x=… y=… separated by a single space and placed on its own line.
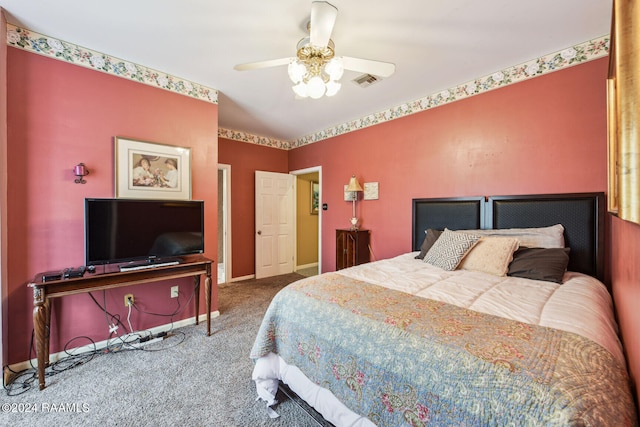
x=263 y=64
x=375 y=68
x=323 y=17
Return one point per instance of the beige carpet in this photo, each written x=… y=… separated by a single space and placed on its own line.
x=307 y=272
x=187 y=379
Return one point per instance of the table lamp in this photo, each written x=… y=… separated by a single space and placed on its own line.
x=354 y=187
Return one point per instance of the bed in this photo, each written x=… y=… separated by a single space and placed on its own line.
x=520 y=331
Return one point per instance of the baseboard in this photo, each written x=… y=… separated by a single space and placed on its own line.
x=240 y=279
x=21 y=366
x=302 y=267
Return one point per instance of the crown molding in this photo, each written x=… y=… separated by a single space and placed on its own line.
x=68 y=52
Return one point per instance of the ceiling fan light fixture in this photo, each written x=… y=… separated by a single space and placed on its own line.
x=316 y=71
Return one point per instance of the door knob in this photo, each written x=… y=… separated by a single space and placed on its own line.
x=260 y=232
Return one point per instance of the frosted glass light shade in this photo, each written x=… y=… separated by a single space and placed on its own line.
x=301 y=90
x=334 y=68
x=296 y=70
x=316 y=87
x=333 y=87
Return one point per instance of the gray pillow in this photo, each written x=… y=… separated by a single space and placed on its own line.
x=548 y=264
x=430 y=238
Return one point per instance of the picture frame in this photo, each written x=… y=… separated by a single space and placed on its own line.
x=315 y=198
x=612 y=143
x=370 y=191
x=349 y=195
x=147 y=170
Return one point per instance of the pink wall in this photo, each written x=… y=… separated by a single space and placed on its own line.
x=545 y=135
x=59 y=115
x=4 y=289
x=625 y=274
x=245 y=159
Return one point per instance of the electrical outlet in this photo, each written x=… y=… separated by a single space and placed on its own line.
x=128 y=300
x=174 y=292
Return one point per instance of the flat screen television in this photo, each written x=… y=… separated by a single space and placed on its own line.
x=123 y=230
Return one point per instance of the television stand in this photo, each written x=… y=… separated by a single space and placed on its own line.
x=148 y=263
x=43 y=292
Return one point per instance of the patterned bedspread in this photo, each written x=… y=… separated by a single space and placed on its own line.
x=405 y=360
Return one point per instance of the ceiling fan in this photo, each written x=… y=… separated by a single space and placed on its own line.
x=315 y=70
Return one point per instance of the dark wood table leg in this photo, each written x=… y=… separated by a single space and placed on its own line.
x=196 y=296
x=41 y=329
x=207 y=295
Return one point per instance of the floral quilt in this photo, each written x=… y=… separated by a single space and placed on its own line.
x=404 y=360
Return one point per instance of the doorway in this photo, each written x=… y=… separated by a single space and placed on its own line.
x=308 y=221
x=224 y=223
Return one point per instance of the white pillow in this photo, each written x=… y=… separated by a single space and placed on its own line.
x=449 y=249
x=541 y=237
x=491 y=255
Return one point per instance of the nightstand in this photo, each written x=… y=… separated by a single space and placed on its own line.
x=352 y=248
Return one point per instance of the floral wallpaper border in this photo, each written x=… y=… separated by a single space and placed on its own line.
x=578 y=54
x=69 y=52
x=55 y=48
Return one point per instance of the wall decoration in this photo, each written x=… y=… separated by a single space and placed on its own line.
x=315 y=198
x=622 y=104
x=612 y=196
x=370 y=191
x=349 y=195
x=145 y=170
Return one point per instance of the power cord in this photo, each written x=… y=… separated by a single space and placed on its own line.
x=24 y=380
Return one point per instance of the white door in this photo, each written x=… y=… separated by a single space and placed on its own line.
x=274 y=224
x=224 y=223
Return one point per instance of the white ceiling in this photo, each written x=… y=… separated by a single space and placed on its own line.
x=435 y=44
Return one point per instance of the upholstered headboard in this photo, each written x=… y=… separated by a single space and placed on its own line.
x=457 y=213
x=581 y=214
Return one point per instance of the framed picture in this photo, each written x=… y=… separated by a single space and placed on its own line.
x=612 y=139
x=145 y=170
x=315 y=198
x=370 y=191
x=349 y=195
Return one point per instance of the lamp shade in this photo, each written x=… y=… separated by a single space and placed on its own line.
x=353 y=184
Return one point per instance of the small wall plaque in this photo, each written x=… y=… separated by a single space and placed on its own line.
x=370 y=191
x=350 y=195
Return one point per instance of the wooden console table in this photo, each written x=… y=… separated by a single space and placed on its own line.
x=112 y=278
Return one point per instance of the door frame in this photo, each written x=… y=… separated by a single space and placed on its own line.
x=226 y=220
x=295 y=239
